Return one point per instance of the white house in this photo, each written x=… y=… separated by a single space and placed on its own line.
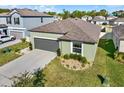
x=117 y=21
x=86 y=18
x=99 y=20
x=19 y=21
x=118 y=37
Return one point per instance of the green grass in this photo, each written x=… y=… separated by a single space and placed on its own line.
x=104 y=64
x=9 y=56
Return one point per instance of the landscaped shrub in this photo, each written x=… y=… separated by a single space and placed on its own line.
x=5 y=50
x=103 y=30
x=17 y=49
x=23 y=40
x=76 y=57
x=66 y=56
x=30 y=46
x=58 y=52
x=104 y=23
x=120 y=57
x=115 y=54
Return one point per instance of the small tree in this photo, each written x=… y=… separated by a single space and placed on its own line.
x=30 y=46
x=25 y=80
x=39 y=78
x=58 y=52
x=23 y=40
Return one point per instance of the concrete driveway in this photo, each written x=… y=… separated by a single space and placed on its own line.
x=28 y=62
x=9 y=43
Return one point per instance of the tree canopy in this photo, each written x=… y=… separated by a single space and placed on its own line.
x=78 y=13
x=4 y=10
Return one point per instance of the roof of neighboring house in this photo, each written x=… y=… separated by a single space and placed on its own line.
x=73 y=29
x=119 y=31
x=98 y=18
x=118 y=20
x=3 y=26
x=26 y=12
x=29 y=12
x=4 y=14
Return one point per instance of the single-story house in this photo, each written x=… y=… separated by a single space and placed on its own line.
x=70 y=35
x=111 y=17
x=86 y=18
x=116 y=21
x=3 y=29
x=99 y=20
x=118 y=37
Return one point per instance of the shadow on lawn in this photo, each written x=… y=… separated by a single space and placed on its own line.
x=101 y=78
x=108 y=46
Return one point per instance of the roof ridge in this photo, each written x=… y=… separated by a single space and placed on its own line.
x=82 y=30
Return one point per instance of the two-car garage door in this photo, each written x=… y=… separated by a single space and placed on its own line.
x=46 y=44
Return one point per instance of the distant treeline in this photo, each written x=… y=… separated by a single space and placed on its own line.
x=78 y=13
x=4 y=10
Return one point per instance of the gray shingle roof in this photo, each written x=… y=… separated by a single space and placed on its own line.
x=97 y=18
x=26 y=12
x=117 y=20
x=119 y=31
x=73 y=29
x=29 y=12
x=4 y=14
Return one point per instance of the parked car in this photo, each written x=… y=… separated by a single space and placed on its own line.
x=5 y=38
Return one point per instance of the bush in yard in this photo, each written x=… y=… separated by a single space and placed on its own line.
x=23 y=40
x=58 y=52
x=66 y=56
x=120 y=57
x=5 y=50
x=103 y=30
x=83 y=60
x=25 y=80
x=39 y=78
x=76 y=57
x=29 y=80
x=17 y=49
x=30 y=46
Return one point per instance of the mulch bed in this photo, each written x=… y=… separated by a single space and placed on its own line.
x=74 y=64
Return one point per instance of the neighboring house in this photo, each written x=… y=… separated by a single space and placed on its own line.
x=116 y=21
x=70 y=35
x=99 y=20
x=19 y=21
x=3 y=29
x=57 y=18
x=111 y=17
x=118 y=37
x=87 y=18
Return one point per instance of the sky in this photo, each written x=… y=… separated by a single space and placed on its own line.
x=59 y=8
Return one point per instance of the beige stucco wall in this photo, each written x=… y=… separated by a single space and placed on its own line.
x=65 y=47
x=121 y=47
x=116 y=41
x=89 y=51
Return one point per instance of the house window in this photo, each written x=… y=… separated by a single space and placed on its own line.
x=16 y=21
x=41 y=19
x=8 y=20
x=77 y=47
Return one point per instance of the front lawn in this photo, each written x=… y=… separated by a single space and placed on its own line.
x=57 y=75
x=6 y=57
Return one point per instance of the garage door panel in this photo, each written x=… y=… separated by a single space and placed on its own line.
x=46 y=44
x=18 y=35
